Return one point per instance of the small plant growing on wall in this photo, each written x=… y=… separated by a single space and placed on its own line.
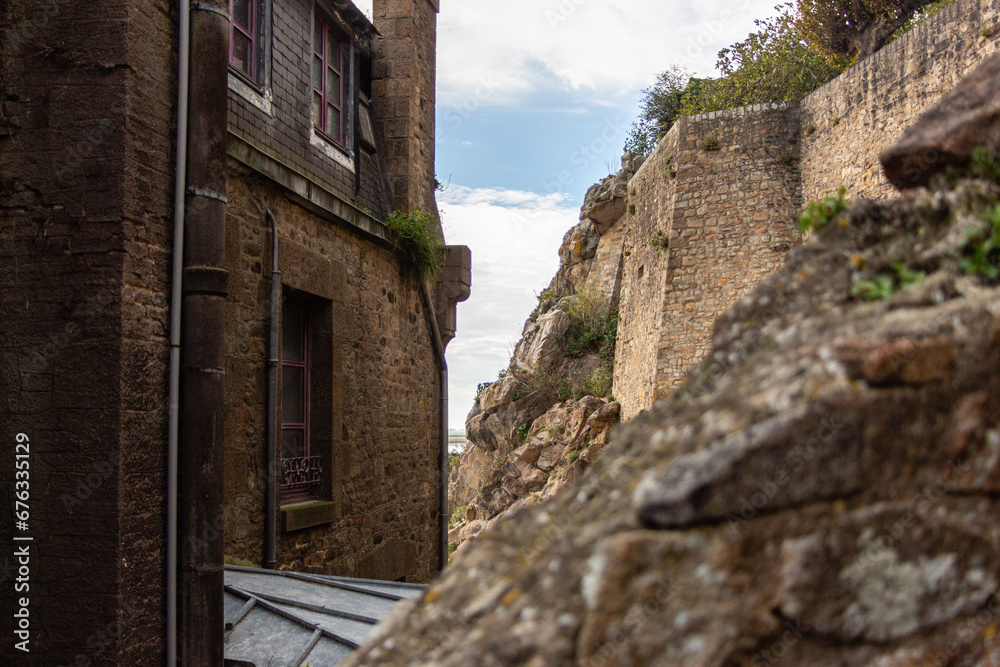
x=786 y=158
x=984 y=166
x=987 y=32
x=668 y=167
x=884 y=285
x=810 y=128
x=709 y=143
x=631 y=208
x=982 y=249
x=659 y=242
x=416 y=237
x=835 y=121
x=821 y=213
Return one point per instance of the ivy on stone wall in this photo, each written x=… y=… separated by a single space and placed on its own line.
x=416 y=236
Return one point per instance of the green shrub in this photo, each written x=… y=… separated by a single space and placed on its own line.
x=588 y=306
x=884 y=285
x=819 y=214
x=786 y=157
x=457 y=516
x=982 y=249
x=417 y=236
x=984 y=166
x=709 y=143
x=659 y=242
x=599 y=384
x=563 y=390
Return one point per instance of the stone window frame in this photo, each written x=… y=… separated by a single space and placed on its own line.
x=324 y=27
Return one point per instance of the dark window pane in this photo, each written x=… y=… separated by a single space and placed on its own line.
x=292 y=443
x=333 y=86
x=317 y=72
x=333 y=121
x=332 y=50
x=318 y=35
x=292 y=332
x=241 y=13
x=292 y=395
x=241 y=53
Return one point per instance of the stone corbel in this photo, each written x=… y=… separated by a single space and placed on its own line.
x=454 y=284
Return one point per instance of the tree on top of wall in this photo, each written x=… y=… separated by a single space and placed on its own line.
x=847 y=31
x=774 y=64
x=659 y=109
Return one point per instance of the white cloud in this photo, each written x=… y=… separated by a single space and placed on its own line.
x=513 y=48
x=514 y=236
x=502 y=51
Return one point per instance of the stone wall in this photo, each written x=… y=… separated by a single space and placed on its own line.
x=710 y=213
x=729 y=213
x=86 y=164
x=404 y=75
x=850 y=120
x=374 y=391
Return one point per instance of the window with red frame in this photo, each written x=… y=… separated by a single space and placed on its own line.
x=328 y=80
x=244 y=17
x=299 y=469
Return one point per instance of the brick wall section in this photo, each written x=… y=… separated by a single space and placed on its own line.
x=729 y=215
x=382 y=431
x=284 y=134
x=866 y=109
x=403 y=92
x=83 y=214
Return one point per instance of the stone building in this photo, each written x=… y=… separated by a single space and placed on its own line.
x=288 y=137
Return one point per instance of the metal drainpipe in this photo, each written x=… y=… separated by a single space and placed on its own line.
x=173 y=391
x=272 y=400
x=202 y=371
x=443 y=407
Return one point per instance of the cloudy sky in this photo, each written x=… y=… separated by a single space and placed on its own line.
x=535 y=98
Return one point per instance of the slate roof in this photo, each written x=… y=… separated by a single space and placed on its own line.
x=290 y=619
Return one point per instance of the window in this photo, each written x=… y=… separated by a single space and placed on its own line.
x=244 y=41
x=328 y=80
x=299 y=469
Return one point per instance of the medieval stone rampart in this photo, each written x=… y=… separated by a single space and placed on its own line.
x=847 y=122
x=712 y=211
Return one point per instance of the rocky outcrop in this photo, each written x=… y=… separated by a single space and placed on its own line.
x=525 y=436
x=604 y=204
x=560 y=445
x=822 y=490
